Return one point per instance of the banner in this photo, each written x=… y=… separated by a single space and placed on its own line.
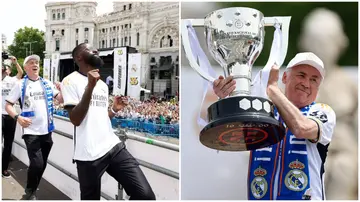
x=119 y=71
x=55 y=58
x=46 y=69
x=134 y=70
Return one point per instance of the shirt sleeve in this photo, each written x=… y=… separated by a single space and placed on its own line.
x=69 y=92
x=325 y=117
x=15 y=93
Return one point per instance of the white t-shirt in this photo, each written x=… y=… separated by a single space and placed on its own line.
x=6 y=85
x=94 y=137
x=34 y=100
x=325 y=116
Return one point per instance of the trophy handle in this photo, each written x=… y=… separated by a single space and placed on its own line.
x=188 y=51
x=284 y=22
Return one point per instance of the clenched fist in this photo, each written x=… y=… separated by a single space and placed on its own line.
x=93 y=77
x=13 y=59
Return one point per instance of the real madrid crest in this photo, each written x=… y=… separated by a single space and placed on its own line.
x=296 y=179
x=27 y=102
x=259 y=185
x=134 y=81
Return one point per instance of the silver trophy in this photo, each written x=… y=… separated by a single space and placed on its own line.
x=235 y=38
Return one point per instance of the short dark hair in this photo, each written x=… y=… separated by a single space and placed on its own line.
x=77 y=49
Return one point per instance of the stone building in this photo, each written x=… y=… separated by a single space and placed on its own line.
x=152 y=28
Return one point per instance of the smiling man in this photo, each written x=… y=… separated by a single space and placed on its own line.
x=293 y=169
x=36 y=119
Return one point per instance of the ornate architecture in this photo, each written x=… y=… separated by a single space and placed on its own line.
x=152 y=28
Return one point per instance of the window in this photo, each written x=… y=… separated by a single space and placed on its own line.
x=125 y=41
x=170 y=41
x=114 y=42
x=103 y=44
x=122 y=42
x=57 y=45
x=130 y=25
x=130 y=6
x=53 y=32
x=117 y=42
x=86 y=41
x=99 y=44
x=124 y=7
x=138 y=39
x=110 y=43
x=62 y=32
x=122 y=27
x=77 y=42
x=129 y=40
x=63 y=16
x=54 y=16
x=126 y=26
x=114 y=28
x=86 y=29
x=58 y=16
x=110 y=29
x=118 y=28
x=103 y=30
x=77 y=30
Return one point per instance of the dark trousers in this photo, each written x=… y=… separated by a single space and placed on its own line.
x=38 y=148
x=119 y=164
x=8 y=132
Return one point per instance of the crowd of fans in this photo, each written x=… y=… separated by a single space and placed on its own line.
x=151 y=111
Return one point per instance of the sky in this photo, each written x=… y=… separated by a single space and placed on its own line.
x=16 y=14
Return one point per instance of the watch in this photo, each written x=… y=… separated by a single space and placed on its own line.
x=16 y=117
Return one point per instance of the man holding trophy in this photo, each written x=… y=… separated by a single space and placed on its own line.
x=287 y=134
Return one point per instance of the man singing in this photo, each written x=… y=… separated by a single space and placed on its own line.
x=36 y=119
x=96 y=148
x=8 y=123
x=293 y=169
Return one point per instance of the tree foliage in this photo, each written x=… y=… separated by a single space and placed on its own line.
x=18 y=48
x=28 y=34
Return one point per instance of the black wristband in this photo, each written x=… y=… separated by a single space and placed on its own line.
x=16 y=117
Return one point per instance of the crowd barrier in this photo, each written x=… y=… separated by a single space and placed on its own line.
x=171 y=130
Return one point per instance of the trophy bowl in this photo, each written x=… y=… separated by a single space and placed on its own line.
x=241 y=121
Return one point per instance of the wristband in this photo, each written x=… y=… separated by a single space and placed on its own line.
x=112 y=110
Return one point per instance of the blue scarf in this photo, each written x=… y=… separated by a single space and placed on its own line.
x=48 y=98
x=293 y=179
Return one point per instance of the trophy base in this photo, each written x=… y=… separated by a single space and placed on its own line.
x=241 y=123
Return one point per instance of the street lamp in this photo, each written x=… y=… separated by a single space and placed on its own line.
x=30 y=42
x=26 y=53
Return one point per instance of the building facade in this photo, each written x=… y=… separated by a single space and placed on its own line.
x=4 y=43
x=152 y=28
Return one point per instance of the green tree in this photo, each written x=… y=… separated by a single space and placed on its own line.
x=18 y=48
x=28 y=34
